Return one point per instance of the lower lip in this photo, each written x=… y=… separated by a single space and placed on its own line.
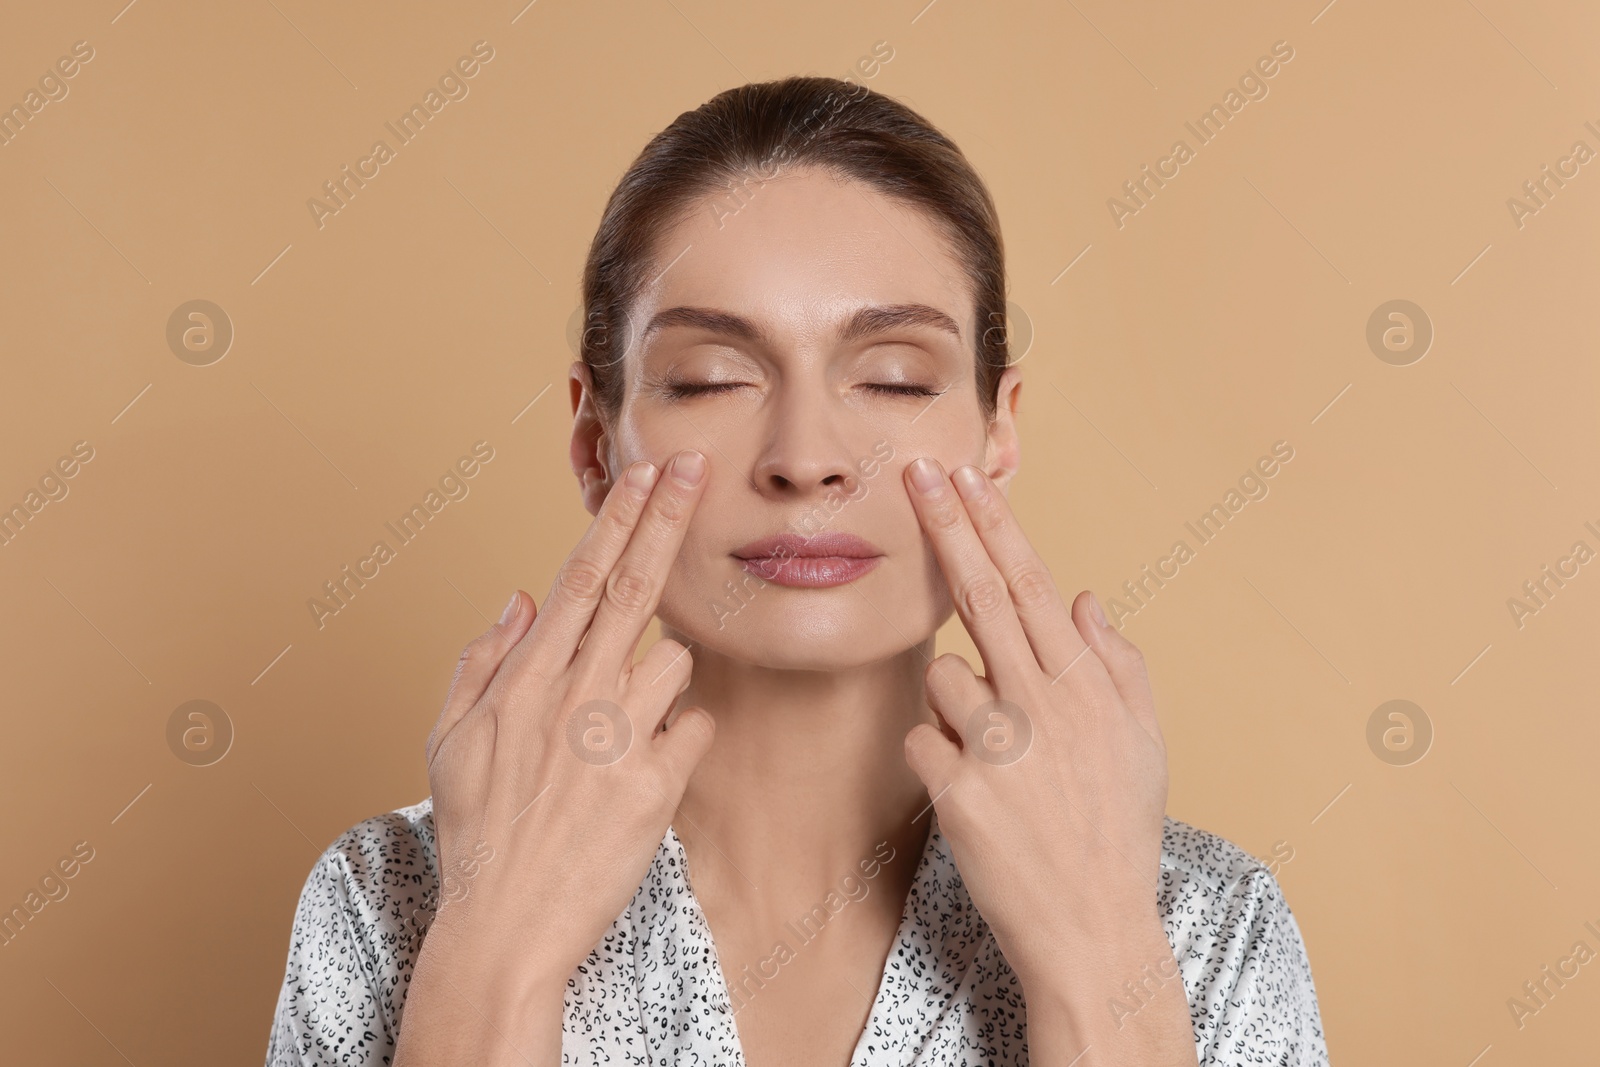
x=810 y=572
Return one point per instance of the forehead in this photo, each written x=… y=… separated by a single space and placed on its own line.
x=803 y=251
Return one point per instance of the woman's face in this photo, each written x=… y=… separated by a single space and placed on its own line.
x=811 y=344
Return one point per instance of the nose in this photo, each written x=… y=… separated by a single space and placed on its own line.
x=805 y=445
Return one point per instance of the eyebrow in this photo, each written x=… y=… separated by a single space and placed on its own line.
x=865 y=322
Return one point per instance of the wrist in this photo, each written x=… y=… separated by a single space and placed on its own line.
x=517 y=977
x=1119 y=991
x=468 y=1002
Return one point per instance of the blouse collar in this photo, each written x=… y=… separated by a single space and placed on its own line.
x=684 y=996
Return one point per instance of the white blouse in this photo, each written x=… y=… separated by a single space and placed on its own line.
x=652 y=992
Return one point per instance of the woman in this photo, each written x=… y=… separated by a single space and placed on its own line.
x=789 y=834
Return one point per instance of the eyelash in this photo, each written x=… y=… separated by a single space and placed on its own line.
x=677 y=392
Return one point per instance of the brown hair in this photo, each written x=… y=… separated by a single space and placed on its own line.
x=747 y=135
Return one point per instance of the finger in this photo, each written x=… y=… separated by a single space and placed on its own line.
x=682 y=745
x=477 y=666
x=658 y=679
x=1043 y=614
x=1123 y=660
x=551 y=643
x=954 y=692
x=933 y=756
x=633 y=588
x=980 y=593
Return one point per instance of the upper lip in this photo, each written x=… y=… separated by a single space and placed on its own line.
x=845 y=545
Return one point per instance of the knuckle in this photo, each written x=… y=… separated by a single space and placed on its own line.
x=580 y=579
x=945 y=517
x=629 y=589
x=986 y=513
x=1130 y=653
x=672 y=507
x=945 y=670
x=475 y=649
x=983 y=598
x=1033 y=587
x=678 y=659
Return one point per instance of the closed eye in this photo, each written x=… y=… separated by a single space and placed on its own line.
x=904 y=390
x=684 y=389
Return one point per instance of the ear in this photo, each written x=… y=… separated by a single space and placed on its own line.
x=1003 y=450
x=588 y=448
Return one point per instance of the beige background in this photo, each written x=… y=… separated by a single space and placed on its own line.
x=1229 y=313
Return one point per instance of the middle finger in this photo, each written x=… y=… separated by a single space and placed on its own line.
x=1045 y=618
x=979 y=591
x=633 y=588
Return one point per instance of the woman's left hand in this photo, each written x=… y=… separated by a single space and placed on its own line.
x=1053 y=800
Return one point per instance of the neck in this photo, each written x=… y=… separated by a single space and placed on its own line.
x=807 y=776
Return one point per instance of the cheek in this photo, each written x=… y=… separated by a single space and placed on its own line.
x=697 y=569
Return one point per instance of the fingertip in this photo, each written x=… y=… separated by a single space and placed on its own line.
x=1095 y=609
x=925 y=475
x=513 y=608
x=1089 y=618
x=516 y=618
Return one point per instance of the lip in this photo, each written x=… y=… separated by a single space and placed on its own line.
x=828 y=559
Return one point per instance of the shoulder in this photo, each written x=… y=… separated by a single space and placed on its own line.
x=373 y=891
x=385 y=854
x=1212 y=891
x=357 y=930
x=1239 y=949
x=1199 y=864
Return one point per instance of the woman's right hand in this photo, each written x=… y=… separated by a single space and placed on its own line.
x=552 y=787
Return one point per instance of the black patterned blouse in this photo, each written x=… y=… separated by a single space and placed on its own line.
x=653 y=993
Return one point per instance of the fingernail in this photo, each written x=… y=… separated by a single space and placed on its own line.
x=642 y=475
x=925 y=475
x=689 y=467
x=511 y=609
x=1094 y=609
x=969 y=482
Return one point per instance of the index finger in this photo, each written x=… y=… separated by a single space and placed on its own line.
x=634 y=587
x=976 y=585
x=1045 y=617
x=552 y=640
